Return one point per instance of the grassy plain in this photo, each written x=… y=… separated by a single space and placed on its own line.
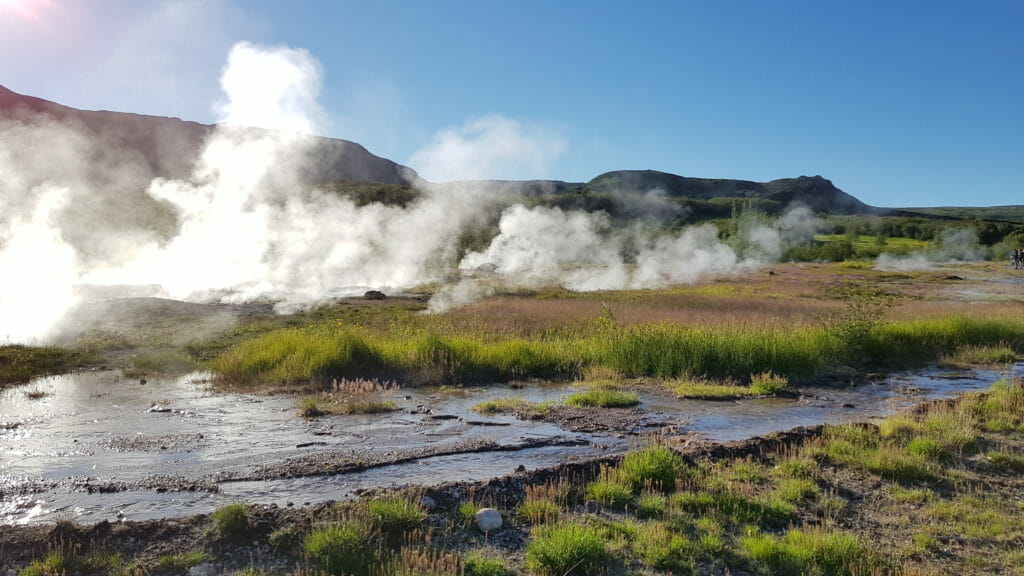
x=795 y=321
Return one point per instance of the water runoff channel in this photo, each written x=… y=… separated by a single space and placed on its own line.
x=96 y=446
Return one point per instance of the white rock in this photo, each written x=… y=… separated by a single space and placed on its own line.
x=488 y=519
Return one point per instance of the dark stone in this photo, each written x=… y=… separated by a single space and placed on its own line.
x=375 y=295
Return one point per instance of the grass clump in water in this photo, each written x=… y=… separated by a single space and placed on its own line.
x=603 y=398
x=517 y=406
x=700 y=389
x=566 y=549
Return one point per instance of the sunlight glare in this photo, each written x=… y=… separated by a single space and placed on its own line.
x=29 y=9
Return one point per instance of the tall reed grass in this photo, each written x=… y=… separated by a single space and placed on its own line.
x=323 y=352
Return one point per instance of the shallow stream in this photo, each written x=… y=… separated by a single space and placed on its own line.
x=96 y=446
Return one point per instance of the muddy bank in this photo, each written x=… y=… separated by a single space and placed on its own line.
x=90 y=447
x=145 y=542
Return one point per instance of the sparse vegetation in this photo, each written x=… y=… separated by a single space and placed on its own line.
x=21 y=363
x=928 y=505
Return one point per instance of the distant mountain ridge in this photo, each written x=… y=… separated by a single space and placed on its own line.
x=816 y=192
x=168 y=147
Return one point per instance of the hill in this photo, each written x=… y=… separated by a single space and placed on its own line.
x=155 y=146
x=814 y=191
x=167 y=147
x=994 y=213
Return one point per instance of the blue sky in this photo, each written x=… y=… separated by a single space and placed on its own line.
x=898 y=103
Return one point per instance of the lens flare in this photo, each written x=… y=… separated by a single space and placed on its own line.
x=28 y=9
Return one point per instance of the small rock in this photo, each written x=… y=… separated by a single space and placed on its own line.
x=428 y=503
x=142 y=381
x=848 y=405
x=488 y=519
x=374 y=295
x=521 y=468
x=591 y=507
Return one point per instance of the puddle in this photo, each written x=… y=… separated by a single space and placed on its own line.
x=88 y=433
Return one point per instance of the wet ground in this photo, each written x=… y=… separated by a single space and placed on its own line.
x=96 y=446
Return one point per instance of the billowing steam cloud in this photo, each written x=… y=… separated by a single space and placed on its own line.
x=953 y=244
x=245 y=225
x=492 y=146
x=582 y=251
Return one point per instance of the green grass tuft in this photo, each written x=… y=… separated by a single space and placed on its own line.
x=656 y=467
x=604 y=398
x=479 y=564
x=566 y=550
x=804 y=552
x=610 y=492
x=342 y=549
x=231 y=521
x=395 y=515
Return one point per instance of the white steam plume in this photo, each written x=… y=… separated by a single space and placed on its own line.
x=953 y=244
x=493 y=146
x=582 y=251
x=246 y=225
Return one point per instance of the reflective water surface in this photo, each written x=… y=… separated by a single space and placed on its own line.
x=174 y=447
